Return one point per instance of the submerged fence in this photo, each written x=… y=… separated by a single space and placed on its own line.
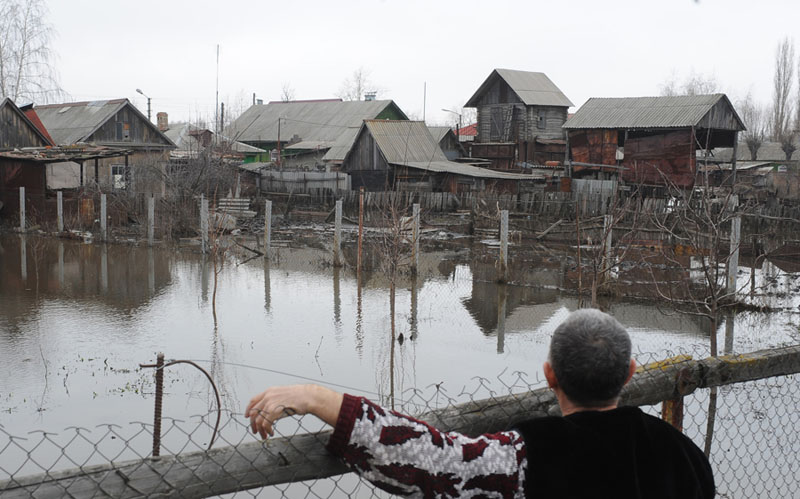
x=741 y=409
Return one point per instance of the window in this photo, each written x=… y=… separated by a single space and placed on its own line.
x=120 y=176
x=541 y=121
x=123 y=131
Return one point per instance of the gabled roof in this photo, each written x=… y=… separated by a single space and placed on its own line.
x=649 y=112
x=74 y=122
x=439 y=132
x=410 y=144
x=533 y=89
x=321 y=120
x=24 y=118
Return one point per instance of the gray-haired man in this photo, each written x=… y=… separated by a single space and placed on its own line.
x=595 y=449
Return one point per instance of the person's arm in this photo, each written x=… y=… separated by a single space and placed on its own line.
x=398 y=453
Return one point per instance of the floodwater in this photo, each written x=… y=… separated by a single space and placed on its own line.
x=76 y=320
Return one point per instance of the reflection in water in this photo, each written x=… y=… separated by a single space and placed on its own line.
x=337 y=302
x=359 y=318
x=23 y=257
x=103 y=269
x=267 y=291
x=502 y=292
x=61 y=265
x=151 y=272
x=413 y=319
x=204 y=278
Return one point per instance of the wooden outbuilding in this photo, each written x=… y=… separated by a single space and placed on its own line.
x=649 y=140
x=520 y=115
x=403 y=155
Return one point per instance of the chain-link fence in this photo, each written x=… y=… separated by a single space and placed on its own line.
x=740 y=409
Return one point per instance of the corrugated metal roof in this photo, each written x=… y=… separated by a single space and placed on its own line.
x=74 y=122
x=534 y=89
x=468 y=170
x=439 y=132
x=403 y=141
x=309 y=120
x=181 y=136
x=342 y=146
x=643 y=112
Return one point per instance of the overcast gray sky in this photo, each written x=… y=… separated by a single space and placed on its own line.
x=589 y=48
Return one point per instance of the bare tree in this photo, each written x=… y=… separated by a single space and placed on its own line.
x=693 y=84
x=782 y=89
x=26 y=60
x=755 y=119
x=287 y=92
x=788 y=143
x=355 y=86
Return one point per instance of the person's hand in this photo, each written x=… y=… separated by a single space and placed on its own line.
x=280 y=401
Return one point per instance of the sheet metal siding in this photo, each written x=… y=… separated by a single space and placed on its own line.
x=16 y=131
x=651 y=160
x=651 y=112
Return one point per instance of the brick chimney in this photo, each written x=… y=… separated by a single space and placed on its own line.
x=163 y=121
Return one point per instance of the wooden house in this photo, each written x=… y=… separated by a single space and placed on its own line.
x=649 y=140
x=403 y=155
x=115 y=124
x=520 y=114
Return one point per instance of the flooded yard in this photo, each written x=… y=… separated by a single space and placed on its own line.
x=76 y=320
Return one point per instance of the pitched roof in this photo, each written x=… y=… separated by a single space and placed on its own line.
x=533 y=89
x=74 y=122
x=40 y=131
x=341 y=146
x=648 y=112
x=182 y=136
x=439 y=132
x=410 y=144
x=322 y=120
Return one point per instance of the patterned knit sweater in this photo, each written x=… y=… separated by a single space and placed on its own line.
x=407 y=457
x=622 y=453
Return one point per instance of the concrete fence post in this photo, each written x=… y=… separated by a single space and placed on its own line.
x=736 y=235
x=503 y=270
x=151 y=219
x=60 y=210
x=608 y=230
x=415 y=233
x=103 y=218
x=204 y=223
x=267 y=227
x=337 y=235
x=22 y=209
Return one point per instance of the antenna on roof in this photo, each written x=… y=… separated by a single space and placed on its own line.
x=216 y=101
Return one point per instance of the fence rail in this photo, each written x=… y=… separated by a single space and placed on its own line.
x=303 y=456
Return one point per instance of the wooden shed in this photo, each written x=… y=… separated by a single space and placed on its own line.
x=403 y=155
x=649 y=140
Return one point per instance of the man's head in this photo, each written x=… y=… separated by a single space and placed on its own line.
x=590 y=357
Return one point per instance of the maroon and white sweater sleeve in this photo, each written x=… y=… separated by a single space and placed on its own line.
x=407 y=457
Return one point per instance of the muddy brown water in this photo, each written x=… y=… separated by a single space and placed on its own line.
x=77 y=319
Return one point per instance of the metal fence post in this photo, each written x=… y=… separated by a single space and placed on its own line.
x=337 y=235
x=204 y=223
x=267 y=227
x=503 y=275
x=22 y=209
x=103 y=217
x=415 y=234
x=60 y=210
x=151 y=219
